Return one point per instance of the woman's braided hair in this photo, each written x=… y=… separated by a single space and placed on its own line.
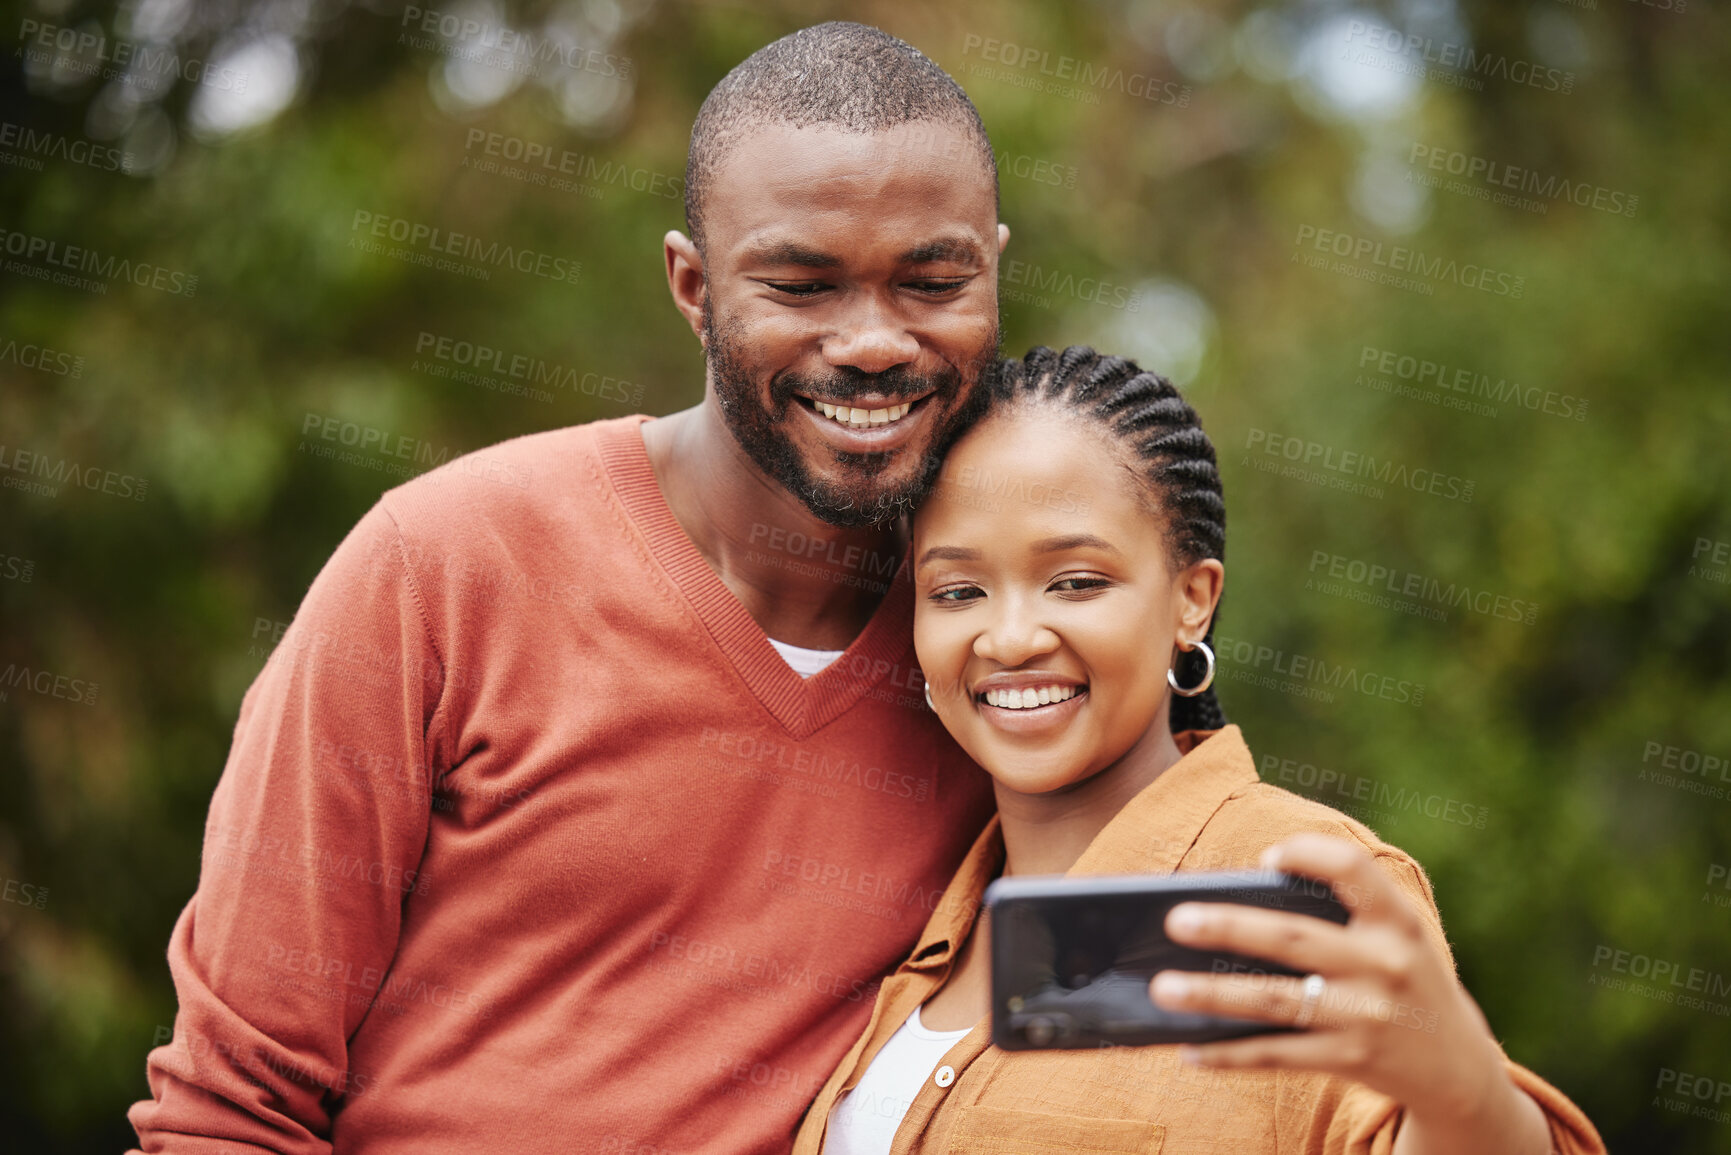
x=1148 y=415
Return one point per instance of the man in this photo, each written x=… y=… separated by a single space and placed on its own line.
x=556 y=822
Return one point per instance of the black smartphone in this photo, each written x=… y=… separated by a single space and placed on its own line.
x=1072 y=957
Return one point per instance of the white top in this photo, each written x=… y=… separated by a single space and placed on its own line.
x=805 y=662
x=864 y=1121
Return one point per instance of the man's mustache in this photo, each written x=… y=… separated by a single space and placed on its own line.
x=892 y=385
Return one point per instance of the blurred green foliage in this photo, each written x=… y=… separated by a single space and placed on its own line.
x=1194 y=196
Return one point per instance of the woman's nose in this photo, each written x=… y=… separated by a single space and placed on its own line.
x=1014 y=638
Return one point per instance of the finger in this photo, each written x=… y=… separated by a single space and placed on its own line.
x=1275 y=999
x=1298 y=941
x=1304 y=1051
x=1360 y=884
x=1265 y=998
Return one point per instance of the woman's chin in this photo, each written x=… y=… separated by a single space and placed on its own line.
x=1042 y=777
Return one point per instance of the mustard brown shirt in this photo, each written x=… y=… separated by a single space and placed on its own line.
x=1208 y=811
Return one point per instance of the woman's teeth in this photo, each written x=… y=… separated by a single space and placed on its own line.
x=862 y=418
x=1030 y=697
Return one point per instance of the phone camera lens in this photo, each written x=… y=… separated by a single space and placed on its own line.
x=1041 y=1031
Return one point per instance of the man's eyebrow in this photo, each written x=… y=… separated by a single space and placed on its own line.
x=960 y=250
x=789 y=253
x=948 y=553
x=1074 y=541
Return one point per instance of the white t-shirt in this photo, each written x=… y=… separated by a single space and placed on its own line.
x=805 y=662
x=864 y=1121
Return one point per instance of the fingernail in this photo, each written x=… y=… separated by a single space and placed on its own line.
x=1172 y=986
x=1185 y=919
x=1190 y=1054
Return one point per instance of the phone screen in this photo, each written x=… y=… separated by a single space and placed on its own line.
x=1072 y=957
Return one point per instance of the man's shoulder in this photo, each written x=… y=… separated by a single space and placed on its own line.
x=527 y=512
x=522 y=480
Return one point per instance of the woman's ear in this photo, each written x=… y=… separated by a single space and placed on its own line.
x=1197 y=589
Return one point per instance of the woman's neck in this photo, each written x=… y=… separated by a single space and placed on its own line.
x=1047 y=833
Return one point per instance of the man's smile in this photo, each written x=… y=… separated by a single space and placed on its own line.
x=857 y=417
x=875 y=425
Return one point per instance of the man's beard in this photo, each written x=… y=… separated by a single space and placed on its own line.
x=867 y=501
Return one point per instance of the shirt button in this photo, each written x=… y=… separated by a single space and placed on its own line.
x=945 y=1076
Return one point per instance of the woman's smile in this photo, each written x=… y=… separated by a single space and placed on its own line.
x=1029 y=702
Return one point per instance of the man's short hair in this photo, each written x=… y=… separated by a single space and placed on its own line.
x=852 y=76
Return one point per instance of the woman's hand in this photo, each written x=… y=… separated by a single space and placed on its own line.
x=1391 y=1014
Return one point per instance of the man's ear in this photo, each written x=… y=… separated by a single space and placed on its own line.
x=1003 y=236
x=685 y=278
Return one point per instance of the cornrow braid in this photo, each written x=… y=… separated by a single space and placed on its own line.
x=1146 y=413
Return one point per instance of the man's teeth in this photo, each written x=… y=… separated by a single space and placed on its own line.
x=1030 y=697
x=862 y=418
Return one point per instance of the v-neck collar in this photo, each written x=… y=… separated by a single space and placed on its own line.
x=802 y=705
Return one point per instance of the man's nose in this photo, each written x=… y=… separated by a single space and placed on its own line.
x=872 y=339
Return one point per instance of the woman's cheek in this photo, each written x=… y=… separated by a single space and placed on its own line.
x=1128 y=672
x=942 y=654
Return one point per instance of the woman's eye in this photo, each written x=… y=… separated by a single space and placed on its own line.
x=958 y=594
x=1079 y=584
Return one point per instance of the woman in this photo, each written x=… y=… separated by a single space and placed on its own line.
x=1077 y=530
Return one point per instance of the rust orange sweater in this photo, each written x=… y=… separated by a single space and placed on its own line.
x=529 y=841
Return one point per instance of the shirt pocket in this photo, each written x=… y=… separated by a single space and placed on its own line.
x=1005 y=1131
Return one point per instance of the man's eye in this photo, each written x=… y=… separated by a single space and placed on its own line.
x=936 y=288
x=797 y=288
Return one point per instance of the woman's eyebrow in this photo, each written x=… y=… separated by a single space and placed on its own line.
x=948 y=553
x=1075 y=541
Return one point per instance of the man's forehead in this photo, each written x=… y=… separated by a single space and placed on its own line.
x=780 y=183
x=822 y=160
x=933 y=140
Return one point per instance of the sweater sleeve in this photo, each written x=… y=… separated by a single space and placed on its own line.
x=1366 y=1122
x=311 y=849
